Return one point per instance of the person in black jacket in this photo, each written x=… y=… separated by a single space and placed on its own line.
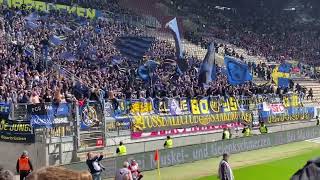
x=93 y=163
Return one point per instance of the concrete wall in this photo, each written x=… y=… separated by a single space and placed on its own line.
x=47 y=153
x=143 y=145
x=10 y=152
x=186 y=154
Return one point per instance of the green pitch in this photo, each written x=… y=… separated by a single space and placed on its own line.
x=274 y=163
x=279 y=169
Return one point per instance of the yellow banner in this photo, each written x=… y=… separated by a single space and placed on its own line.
x=157 y=122
x=43 y=6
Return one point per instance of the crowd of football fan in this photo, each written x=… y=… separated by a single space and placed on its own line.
x=268 y=32
x=33 y=77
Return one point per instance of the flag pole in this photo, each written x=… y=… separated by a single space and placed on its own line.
x=159 y=174
x=157 y=158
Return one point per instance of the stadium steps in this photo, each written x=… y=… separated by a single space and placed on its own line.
x=199 y=52
x=309 y=83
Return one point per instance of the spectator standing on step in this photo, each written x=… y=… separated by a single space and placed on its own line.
x=310 y=94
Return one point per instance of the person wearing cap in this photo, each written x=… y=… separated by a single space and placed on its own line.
x=24 y=165
x=124 y=173
x=168 y=143
x=225 y=171
x=121 y=150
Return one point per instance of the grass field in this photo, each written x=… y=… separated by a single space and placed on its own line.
x=274 y=163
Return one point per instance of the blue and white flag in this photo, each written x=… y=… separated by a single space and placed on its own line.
x=68 y=56
x=32 y=17
x=146 y=69
x=173 y=26
x=208 y=67
x=56 y=40
x=40 y=116
x=237 y=72
x=32 y=25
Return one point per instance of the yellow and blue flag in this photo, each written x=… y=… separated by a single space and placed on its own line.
x=281 y=75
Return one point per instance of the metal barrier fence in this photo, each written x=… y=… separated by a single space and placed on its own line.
x=93 y=123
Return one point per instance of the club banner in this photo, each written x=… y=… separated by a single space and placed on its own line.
x=16 y=131
x=141 y=107
x=40 y=116
x=158 y=122
x=60 y=110
x=288 y=114
x=276 y=108
x=4 y=109
x=45 y=7
x=180 y=131
x=48 y=115
x=195 y=106
x=119 y=124
x=91 y=116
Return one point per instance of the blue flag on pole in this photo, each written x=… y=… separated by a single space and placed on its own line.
x=147 y=68
x=56 y=40
x=208 y=67
x=173 y=26
x=32 y=25
x=285 y=68
x=68 y=56
x=237 y=72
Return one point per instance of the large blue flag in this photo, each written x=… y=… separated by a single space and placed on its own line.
x=237 y=72
x=208 y=67
x=173 y=26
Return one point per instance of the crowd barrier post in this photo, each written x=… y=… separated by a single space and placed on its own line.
x=104 y=123
x=77 y=126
